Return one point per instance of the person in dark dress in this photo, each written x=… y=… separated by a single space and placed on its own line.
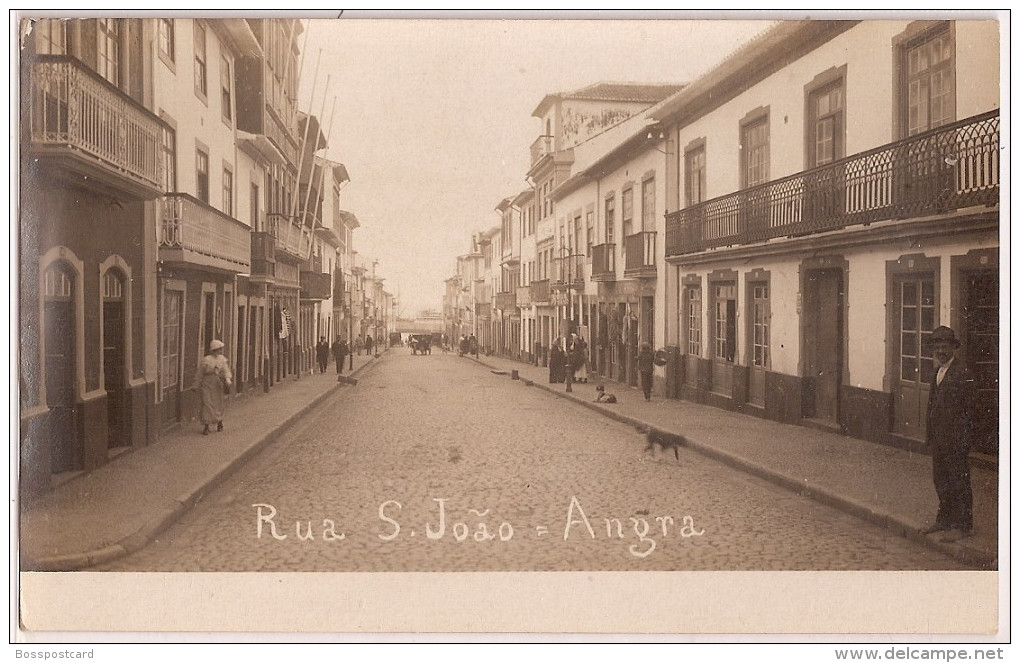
x=948 y=435
x=645 y=366
x=557 y=362
x=322 y=353
x=340 y=353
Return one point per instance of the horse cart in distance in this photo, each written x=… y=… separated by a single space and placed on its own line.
x=421 y=344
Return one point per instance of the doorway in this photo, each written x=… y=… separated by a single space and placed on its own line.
x=60 y=368
x=823 y=344
x=981 y=339
x=114 y=371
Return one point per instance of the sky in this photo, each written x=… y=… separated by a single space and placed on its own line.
x=433 y=117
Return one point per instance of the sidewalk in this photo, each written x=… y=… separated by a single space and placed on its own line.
x=890 y=487
x=123 y=505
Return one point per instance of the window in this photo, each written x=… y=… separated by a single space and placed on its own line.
x=228 y=192
x=201 y=83
x=648 y=205
x=167 y=49
x=168 y=149
x=108 y=54
x=256 y=222
x=917 y=320
x=202 y=176
x=825 y=114
x=754 y=143
x=760 y=340
x=226 y=100
x=590 y=221
x=577 y=235
x=610 y=220
x=628 y=211
x=725 y=322
x=695 y=184
x=50 y=36
x=929 y=70
x=694 y=321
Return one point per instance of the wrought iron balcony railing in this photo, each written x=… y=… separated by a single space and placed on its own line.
x=639 y=250
x=941 y=170
x=96 y=130
x=603 y=262
x=194 y=233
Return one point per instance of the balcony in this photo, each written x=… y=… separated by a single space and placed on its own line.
x=639 y=251
x=524 y=296
x=291 y=239
x=506 y=301
x=80 y=123
x=570 y=271
x=542 y=146
x=603 y=262
x=316 y=285
x=540 y=291
x=263 y=257
x=192 y=233
x=939 y=171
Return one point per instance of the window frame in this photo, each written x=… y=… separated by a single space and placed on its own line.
x=226 y=90
x=166 y=31
x=692 y=152
x=824 y=82
x=202 y=174
x=756 y=119
x=201 y=71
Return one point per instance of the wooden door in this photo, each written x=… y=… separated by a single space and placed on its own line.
x=60 y=368
x=913 y=322
x=981 y=337
x=823 y=343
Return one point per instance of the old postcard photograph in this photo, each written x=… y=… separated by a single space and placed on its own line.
x=678 y=325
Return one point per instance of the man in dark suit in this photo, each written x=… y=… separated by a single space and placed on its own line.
x=948 y=436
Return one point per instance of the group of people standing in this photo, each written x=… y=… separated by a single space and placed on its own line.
x=468 y=345
x=570 y=363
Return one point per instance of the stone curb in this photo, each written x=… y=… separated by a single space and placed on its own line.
x=897 y=525
x=156 y=526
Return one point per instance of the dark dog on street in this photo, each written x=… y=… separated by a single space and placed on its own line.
x=665 y=441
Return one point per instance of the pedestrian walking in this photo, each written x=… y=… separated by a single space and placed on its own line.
x=463 y=345
x=557 y=362
x=473 y=345
x=213 y=380
x=322 y=353
x=359 y=344
x=574 y=360
x=369 y=343
x=645 y=366
x=340 y=352
x=948 y=435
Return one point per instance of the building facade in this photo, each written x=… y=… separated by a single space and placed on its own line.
x=830 y=210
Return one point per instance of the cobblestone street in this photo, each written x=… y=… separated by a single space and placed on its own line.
x=433 y=463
